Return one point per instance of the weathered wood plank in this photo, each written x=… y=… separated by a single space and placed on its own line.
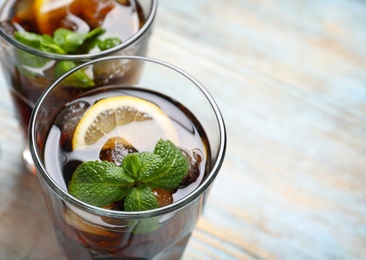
x=289 y=77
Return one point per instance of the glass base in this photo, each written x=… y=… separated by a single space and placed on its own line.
x=28 y=161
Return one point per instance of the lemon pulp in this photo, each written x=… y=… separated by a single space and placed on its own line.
x=140 y=122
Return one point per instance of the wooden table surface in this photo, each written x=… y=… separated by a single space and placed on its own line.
x=290 y=79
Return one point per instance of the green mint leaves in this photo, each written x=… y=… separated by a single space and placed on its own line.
x=70 y=41
x=101 y=183
x=64 y=41
x=141 y=198
x=78 y=79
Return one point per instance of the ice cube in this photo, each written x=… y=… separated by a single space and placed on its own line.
x=194 y=171
x=68 y=119
x=115 y=149
x=163 y=196
x=93 y=12
x=120 y=222
x=92 y=225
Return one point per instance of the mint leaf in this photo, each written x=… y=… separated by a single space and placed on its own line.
x=95 y=33
x=108 y=43
x=144 y=225
x=49 y=45
x=140 y=198
x=99 y=183
x=40 y=42
x=31 y=60
x=137 y=165
x=70 y=41
x=30 y=39
x=173 y=167
x=77 y=79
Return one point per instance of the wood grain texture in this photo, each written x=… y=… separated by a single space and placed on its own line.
x=290 y=79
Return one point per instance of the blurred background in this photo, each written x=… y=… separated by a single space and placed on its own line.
x=290 y=79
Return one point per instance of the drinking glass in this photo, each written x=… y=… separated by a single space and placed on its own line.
x=88 y=232
x=26 y=83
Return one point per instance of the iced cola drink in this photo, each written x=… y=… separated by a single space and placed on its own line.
x=42 y=39
x=112 y=125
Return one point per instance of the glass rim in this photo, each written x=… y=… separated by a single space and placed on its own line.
x=65 y=196
x=82 y=57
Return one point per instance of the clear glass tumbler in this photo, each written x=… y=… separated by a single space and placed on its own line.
x=28 y=78
x=88 y=232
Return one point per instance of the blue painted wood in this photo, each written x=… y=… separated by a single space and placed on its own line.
x=290 y=79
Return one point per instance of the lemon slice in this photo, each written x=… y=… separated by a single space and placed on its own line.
x=48 y=14
x=138 y=121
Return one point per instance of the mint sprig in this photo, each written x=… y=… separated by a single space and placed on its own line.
x=64 y=41
x=101 y=183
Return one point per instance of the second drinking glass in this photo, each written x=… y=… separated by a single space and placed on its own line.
x=42 y=39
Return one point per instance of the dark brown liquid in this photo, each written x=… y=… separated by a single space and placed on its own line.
x=93 y=242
